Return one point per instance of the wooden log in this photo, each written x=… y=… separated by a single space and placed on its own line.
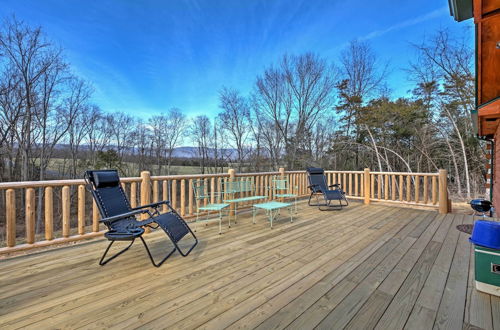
x=10 y=214
x=232 y=174
x=408 y=188
x=350 y=184
x=174 y=194
x=156 y=191
x=65 y=211
x=356 y=184
x=434 y=192
x=401 y=188
x=362 y=185
x=380 y=183
x=30 y=215
x=49 y=214
x=133 y=194
x=267 y=193
x=366 y=188
x=145 y=194
x=219 y=189
x=372 y=186
x=212 y=190
x=145 y=190
x=81 y=209
x=95 y=217
x=426 y=189
x=205 y=192
x=417 y=188
x=443 y=191
x=190 y=197
x=183 y=197
x=165 y=194
x=124 y=187
x=393 y=187
x=386 y=186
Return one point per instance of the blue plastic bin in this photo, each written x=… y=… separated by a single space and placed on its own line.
x=487 y=234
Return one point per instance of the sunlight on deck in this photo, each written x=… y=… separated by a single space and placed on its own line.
x=361 y=267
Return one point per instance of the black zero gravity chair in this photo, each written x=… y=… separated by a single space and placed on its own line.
x=319 y=187
x=120 y=218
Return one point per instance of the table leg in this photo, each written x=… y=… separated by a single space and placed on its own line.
x=220 y=222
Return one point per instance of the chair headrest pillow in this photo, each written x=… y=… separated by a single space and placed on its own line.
x=104 y=179
x=315 y=170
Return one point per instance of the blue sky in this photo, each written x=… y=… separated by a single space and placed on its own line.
x=144 y=57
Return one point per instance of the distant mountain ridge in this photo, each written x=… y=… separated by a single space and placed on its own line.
x=179 y=152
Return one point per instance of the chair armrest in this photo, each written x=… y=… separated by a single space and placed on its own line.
x=123 y=216
x=153 y=205
x=337 y=185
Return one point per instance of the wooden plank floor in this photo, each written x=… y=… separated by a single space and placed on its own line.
x=363 y=267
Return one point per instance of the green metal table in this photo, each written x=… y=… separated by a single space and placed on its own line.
x=272 y=209
x=220 y=207
x=235 y=201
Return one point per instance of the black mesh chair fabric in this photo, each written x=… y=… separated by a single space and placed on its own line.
x=112 y=201
x=173 y=225
x=319 y=186
x=120 y=217
x=317 y=179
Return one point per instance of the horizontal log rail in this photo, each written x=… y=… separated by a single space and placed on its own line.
x=60 y=211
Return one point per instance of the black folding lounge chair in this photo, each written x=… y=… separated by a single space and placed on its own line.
x=120 y=218
x=319 y=187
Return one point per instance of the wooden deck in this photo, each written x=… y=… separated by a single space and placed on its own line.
x=363 y=267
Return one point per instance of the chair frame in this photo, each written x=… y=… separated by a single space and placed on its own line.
x=316 y=190
x=280 y=183
x=205 y=195
x=152 y=210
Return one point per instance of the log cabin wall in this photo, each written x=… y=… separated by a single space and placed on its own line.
x=494 y=173
x=487 y=20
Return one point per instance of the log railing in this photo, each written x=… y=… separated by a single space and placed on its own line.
x=62 y=211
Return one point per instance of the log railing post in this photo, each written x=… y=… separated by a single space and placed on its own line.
x=190 y=196
x=10 y=210
x=95 y=217
x=183 y=197
x=145 y=193
x=30 y=215
x=49 y=214
x=81 y=209
x=367 y=183
x=443 y=191
x=232 y=174
x=133 y=194
x=165 y=194
x=174 y=194
x=65 y=211
x=282 y=176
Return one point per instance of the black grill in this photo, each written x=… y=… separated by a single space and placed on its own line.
x=480 y=205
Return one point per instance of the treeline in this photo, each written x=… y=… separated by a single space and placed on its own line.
x=303 y=110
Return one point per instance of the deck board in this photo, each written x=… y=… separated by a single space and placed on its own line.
x=363 y=267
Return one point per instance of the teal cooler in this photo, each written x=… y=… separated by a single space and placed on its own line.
x=487 y=269
x=486 y=239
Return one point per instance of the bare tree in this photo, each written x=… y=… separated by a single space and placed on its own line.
x=294 y=96
x=168 y=131
x=235 y=119
x=446 y=64
x=200 y=130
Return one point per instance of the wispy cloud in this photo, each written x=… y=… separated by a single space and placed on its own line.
x=407 y=23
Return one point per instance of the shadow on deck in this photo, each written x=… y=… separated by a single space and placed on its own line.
x=362 y=267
